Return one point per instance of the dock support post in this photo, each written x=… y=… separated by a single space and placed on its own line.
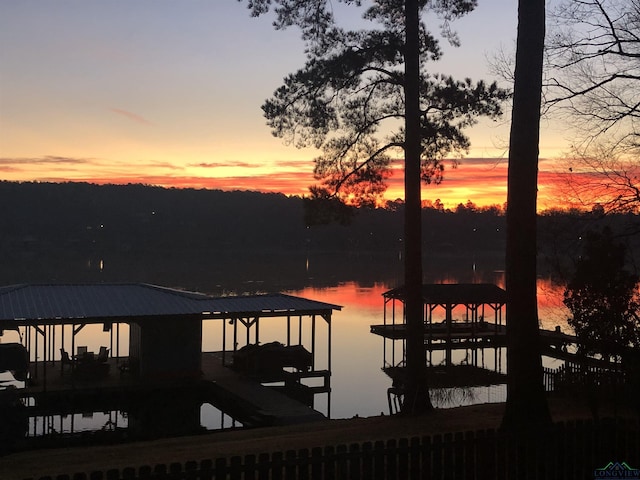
x=224 y=341
x=448 y=320
x=328 y=318
x=313 y=342
x=235 y=334
x=257 y=330
x=61 y=348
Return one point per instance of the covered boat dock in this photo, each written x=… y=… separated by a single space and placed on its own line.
x=480 y=305
x=155 y=341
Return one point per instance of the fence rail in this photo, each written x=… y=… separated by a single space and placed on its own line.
x=565 y=451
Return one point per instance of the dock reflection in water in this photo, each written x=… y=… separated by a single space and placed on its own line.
x=96 y=414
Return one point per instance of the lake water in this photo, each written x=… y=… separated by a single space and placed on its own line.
x=359 y=385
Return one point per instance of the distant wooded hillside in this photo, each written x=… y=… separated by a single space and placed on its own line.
x=54 y=226
x=130 y=217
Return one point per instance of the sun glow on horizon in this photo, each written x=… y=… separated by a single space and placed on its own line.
x=482 y=181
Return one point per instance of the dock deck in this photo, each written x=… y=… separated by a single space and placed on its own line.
x=453 y=376
x=466 y=335
x=260 y=404
x=56 y=391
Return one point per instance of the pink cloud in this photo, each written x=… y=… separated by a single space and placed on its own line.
x=131 y=116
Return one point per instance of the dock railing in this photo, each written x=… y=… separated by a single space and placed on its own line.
x=572 y=376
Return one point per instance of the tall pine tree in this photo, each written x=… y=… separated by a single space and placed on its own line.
x=526 y=399
x=366 y=97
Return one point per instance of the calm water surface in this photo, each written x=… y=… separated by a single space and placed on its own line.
x=359 y=386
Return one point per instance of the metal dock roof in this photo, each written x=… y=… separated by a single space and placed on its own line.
x=62 y=303
x=456 y=293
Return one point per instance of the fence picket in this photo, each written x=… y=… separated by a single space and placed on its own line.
x=342 y=463
x=367 y=460
x=206 y=469
x=403 y=458
x=316 y=463
x=458 y=455
x=113 y=474
x=415 y=458
x=448 y=462
x=235 y=470
x=304 y=462
x=378 y=460
x=127 y=473
x=355 y=462
x=469 y=456
x=221 y=469
x=437 y=461
x=249 y=467
x=392 y=460
x=277 y=463
x=562 y=461
x=159 y=471
x=290 y=465
x=501 y=456
x=580 y=465
x=264 y=466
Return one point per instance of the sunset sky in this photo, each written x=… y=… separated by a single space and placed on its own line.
x=168 y=92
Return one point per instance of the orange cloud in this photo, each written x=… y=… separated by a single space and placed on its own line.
x=292 y=183
x=46 y=160
x=225 y=164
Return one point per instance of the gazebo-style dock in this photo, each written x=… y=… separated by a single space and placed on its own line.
x=464 y=317
x=480 y=305
x=155 y=344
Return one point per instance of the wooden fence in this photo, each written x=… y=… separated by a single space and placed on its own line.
x=565 y=451
x=573 y=376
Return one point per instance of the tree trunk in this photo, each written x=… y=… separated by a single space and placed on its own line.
x=526 y=399
x=416 y=395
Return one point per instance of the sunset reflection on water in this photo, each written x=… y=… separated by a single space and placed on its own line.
x=359 y=385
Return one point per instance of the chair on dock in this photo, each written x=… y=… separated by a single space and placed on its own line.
x=91 y=367
x=103 y=354
x=64 y=356
x=65 y=359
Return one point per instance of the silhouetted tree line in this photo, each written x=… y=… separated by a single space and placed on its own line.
x=55 y=226
x=133 y=217
x=563 y=235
